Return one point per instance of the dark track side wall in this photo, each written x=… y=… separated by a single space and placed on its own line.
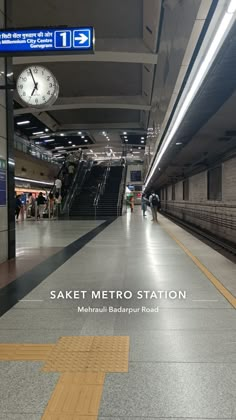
x=194 y=205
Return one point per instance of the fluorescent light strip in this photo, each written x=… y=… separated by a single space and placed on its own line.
x=48 y=141
x=23 y=122
x=38 y=132
x=17 y=178
x=201 y=74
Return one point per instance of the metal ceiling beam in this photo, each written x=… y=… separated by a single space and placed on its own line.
x=102 y=126
x=118 y=50
x=135 y=103
x=99 y=56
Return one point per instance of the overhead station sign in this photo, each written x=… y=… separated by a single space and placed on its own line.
x=52 y=40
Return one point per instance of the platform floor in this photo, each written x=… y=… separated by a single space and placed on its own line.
x=181 y=359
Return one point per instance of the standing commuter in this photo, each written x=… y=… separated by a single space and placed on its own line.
x=31 y=205
x=71 y=171
x=41 y=204
x=58 y=185
x=18 y=206
x=154 y=203
x=144 y=204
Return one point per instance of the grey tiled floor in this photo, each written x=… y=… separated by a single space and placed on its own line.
x=182 y=359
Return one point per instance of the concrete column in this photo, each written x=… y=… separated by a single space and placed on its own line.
x=7 y=201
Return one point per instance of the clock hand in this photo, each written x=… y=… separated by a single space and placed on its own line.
x=35 y=88
x=33 y=77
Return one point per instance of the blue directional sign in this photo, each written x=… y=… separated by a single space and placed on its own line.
x=52 y=40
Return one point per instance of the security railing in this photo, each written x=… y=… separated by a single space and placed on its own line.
x=30 y=148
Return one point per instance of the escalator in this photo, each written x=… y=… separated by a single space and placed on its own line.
x=83 y=201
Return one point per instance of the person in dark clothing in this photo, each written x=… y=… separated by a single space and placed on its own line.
x=18 y=206
x=41 y=204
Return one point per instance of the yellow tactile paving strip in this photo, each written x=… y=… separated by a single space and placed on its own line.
x=89 y=354
x=73 y=399
x=83 y=362
x=25 y=351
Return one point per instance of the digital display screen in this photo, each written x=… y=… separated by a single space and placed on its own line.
x=135 y=176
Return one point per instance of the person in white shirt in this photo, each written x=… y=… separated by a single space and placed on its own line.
x=58 y=185
x=154 y=203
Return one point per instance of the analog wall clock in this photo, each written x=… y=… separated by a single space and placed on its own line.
x=37 y=87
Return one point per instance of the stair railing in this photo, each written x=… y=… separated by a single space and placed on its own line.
x=122 y=191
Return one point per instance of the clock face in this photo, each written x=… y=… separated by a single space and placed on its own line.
x=37 y=87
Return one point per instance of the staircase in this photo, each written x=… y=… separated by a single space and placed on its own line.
x=82 y=205
x=107 y=204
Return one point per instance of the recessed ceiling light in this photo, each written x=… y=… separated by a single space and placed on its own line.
x=82 y=137
x=139 y=147
x=73 y=145
x=142 y=141
x=70 y=142
x=142 y=138
x=80 y=133
x=46 y=129
x=86 y=141
x=23 y=122
x=62 y=134
x=124 y=132
x=37 y=132
x=126 y=139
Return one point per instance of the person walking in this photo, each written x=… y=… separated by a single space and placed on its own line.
x=144 y=201
x=154 y=204
x=131 y=203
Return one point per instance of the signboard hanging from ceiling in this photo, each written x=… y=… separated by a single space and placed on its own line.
x=20 y=42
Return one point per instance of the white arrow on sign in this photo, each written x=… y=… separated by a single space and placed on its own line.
x=82 y=38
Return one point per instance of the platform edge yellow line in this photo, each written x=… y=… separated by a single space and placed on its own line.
x=218 y=285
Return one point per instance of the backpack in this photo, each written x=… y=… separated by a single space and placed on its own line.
x=155 y=200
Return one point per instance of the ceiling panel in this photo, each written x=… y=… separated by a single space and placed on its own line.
x=94 y=116
x=111 y=18
x=95 y=79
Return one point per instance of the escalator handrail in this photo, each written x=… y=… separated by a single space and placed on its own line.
x=101 y=186
x=122 y=189
x=76 y=184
